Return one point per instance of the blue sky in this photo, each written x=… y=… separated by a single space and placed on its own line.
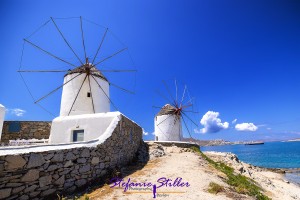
x=239 y=59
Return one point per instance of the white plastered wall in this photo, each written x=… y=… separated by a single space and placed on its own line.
x=2 y=115
x=94 y=125
x=167 y=128
x=83 y=103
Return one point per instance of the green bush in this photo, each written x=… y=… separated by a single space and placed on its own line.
x=215 y=188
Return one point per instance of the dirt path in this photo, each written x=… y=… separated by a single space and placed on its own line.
x=187 y=165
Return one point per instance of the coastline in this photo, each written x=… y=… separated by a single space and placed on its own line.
x=273 y=181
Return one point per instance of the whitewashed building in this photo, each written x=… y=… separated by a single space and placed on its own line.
x=2 y=115
x=167 y=125
x=84 y=106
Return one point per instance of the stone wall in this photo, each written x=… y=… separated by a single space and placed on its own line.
x=37 y=175
x=28 y=130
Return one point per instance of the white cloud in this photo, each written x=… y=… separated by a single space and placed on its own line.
x=145 y=133
x=211 y=123
x=234 y=121
x=246 y=127
x=16 y=111
x=269 y=128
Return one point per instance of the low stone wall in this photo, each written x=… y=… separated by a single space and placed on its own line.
x=28 y=130
x=37 y=175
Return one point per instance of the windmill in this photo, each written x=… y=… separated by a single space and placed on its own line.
x=168 y=121
x=85 y=87
x=86 y=83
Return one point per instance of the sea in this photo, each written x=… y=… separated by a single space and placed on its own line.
x=284 y=155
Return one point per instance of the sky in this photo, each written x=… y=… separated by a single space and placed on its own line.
x=240 y=61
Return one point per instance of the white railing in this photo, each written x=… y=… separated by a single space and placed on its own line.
x=22 y=142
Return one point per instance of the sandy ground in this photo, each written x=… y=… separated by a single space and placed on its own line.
x=176 y=163
x=274 y=184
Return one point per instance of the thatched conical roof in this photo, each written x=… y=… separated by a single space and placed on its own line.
x=166 y=110
x=87 y=68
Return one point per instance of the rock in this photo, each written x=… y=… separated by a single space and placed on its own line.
x=85 y=168
x=68 y=184
x=80 y=182
x=4 y=193
x=95 y=160
x=241 y=169
x=58 y=157
x=286 y=181
x=13 y=184
x=34 y=194
x=102 y=165
x=18 y=189
x=47 y=192
x=14 y=162
x=81 y=160
x=107 y=158
x=60 y=181
x=85 y=153
x=30 y=188
x=35 y=160
x=68 y=163
x=52 y=168
x=71 y=189
x=24 y=197
x=45 y=180
x=70 y=156
x=31 y=175
x=48 y=156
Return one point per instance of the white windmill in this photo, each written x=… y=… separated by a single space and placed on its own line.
x=2 y=114
x=85 y=101
x=168 y=121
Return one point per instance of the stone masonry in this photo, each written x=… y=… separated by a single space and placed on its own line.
x=28 y=130
x=37 y=175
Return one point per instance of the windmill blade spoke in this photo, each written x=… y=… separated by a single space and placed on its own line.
x=187 y=127
x=183 y=95
x=163 y=120
x=91 y=93
x=100 y=45
x=164 y=97
x=125 y=90
x=176 y=92
x=82 y=36
x=172 y=98
x=189 y=118
x=66 y=40
x=105 y=93
x=118 y=70
x=47 y=52
x=111 y=56
x=42 y=70
x=186 y=106
x=77 y=95
x=56 y=89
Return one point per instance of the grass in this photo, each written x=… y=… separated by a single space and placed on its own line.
x=240 y=183
x=215 y=188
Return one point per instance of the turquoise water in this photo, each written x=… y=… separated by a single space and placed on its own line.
x=270 y=154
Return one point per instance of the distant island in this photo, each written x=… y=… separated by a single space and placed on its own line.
x=294 y=140
x=217 y=142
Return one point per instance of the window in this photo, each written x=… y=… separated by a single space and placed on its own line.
x=14 y=126
x=88 y=94
x=156 y=138
x=78 y=135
